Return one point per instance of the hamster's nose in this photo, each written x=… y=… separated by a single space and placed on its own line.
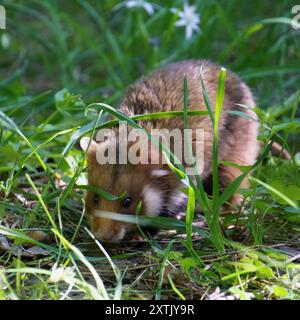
x=107 y=230
x=109 y=236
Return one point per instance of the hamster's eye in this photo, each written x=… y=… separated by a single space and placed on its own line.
x=126 y=203
x=96 y=198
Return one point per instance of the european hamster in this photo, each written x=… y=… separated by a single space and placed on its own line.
x=155 y=184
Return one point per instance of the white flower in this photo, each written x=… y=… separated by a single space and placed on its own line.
x=5 y=40
x=218 y=295
x=147 y=6
x=62 y=274
x=188 y=18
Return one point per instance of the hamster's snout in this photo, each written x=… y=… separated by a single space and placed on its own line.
x=107 y=230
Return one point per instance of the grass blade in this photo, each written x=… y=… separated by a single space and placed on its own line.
x=162 y=270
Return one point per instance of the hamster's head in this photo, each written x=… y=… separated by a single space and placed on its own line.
x=155 y=186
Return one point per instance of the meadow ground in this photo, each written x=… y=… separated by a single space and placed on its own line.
x=56 y=57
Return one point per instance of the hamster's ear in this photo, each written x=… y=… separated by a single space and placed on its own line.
x=88 y=145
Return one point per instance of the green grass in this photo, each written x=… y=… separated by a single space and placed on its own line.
x=65 y=56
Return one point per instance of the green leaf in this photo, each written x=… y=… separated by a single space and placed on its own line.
x=65 y=102
x=291 y=191
x=106 y=195
x=8 y=122
x=280 y=292
x=275 y=192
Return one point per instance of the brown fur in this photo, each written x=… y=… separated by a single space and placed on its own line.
x=163 y=91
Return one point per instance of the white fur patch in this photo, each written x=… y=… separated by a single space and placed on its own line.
x=160 y=172
x=176 y=199
x=152 y=201
x=87 y=144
